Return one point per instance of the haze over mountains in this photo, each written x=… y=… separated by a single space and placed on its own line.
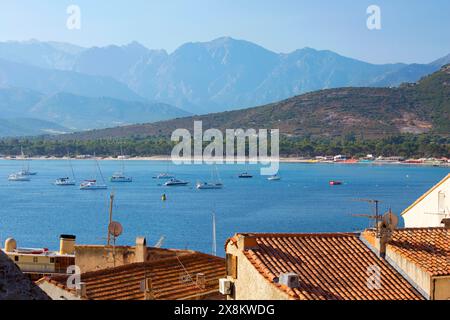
x=364 y=112
x=124 y=84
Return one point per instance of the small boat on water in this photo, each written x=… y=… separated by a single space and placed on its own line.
x=120 y=177
x=274 y=178
x=92 y=185
x=26 y=169
x=17 y=177
x=65 y=182
x=214 y=184
x=176 y=183
x=164 y=176
x=209 y=185
x=245 y=175
x=335 y=183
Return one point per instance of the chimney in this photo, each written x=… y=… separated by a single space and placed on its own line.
x=81 y=290
x=446 y=223
x=383 y=238
x=67 y=244
x=290 y=280
x=247 y=242
x=140 y=250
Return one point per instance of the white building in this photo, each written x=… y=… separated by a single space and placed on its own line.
x=431 y=208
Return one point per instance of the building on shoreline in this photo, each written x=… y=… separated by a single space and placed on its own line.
x=430 y=209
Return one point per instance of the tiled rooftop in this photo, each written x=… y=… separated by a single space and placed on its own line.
x=330 y=267
x=428 y=248
x=172 y=278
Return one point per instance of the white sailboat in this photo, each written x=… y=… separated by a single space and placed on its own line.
x=26 y=168
x=17 y=177
x=66 y=181
x=93 y=184
x=274 y=178
x=120 y=176
x=214 y=184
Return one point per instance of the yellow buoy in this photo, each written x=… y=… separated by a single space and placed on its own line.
x=164 y=197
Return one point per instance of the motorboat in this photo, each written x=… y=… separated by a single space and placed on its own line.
x=209 y=185
x=92 y=185
x=164 y=176
x=335 y=183
x=245 y=175
x=175 y=183
x=64 y=182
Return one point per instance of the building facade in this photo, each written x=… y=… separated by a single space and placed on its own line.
x=431 y=208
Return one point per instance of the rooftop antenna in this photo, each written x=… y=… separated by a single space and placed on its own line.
x=111 y=204
x=375 y=216
x=115 y=229
x=214 y=242
x=160 y=242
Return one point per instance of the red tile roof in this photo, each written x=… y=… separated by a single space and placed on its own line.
x=428 y=248
x=172 y=279
x=330 y=267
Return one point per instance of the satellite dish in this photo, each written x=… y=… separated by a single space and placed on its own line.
x=390 y=219
x=115 y=229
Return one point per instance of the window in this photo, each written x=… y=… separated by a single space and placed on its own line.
x=232 y=266
x=16 y=258
x=35 y=259
x=52 y=260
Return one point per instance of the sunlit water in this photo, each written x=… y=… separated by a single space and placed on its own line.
x=35 y=213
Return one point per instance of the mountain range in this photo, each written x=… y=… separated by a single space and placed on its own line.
x=86 y=88
x=25 y=112
x=202 y=77
x=365 y=112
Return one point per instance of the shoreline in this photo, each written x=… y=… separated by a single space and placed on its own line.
x=430 y=163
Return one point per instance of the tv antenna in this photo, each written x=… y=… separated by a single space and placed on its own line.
x=376 y=214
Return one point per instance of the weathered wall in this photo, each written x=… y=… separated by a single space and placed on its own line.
x=420 y=278
x=57 y=293
x=442 y=288
x=250 y=284
x=92 y=258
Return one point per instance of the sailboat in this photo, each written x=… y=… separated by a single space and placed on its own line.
x=165 y=175
x=274 y=178
x=25 y=169
x=66 y=181
x=17 y=177
x=93 y=184
x=120 y=176
x=214 y=184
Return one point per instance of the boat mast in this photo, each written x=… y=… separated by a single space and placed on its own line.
x=214 y=243
x=111 y=203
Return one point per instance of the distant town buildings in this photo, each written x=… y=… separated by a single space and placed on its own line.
x=430 y=209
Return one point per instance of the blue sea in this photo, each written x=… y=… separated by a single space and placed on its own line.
x=35 y=213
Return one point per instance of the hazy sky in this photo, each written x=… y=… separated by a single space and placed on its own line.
x=412 y=30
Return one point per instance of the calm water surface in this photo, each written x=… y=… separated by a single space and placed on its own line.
x=35 y=213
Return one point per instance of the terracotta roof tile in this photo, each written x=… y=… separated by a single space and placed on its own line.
x=172 y=278
x=428 y=248
x=330 y=267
